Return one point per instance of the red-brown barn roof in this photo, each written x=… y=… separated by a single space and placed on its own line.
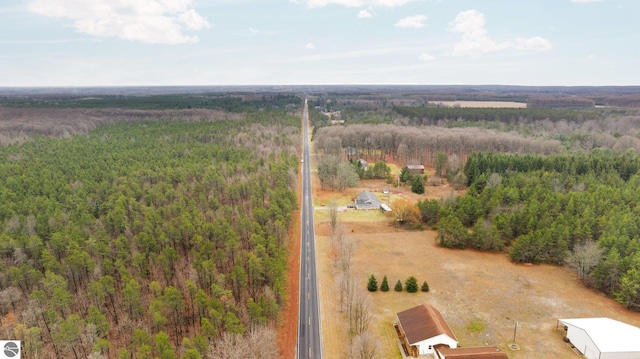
x=489 y=352
x=423 y=322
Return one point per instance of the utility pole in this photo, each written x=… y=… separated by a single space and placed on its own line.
x=515 y=329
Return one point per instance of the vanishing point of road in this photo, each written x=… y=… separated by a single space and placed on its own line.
x=309 y=337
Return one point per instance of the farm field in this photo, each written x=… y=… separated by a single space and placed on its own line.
x=482 y=104
x=481 y=295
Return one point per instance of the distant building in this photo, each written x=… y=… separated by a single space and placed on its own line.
x=603 y=338
x=367 y=200
x=421 y=328
x=416 y=169
x=350 y=151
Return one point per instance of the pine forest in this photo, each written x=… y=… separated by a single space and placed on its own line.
x=148 y=239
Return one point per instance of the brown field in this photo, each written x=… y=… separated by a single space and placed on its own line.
x=482 y=104
x=481 y=295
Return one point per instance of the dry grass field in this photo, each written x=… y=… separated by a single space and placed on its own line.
x=482 y=104
x=481 y=295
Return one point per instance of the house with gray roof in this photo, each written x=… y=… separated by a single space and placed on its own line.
x=367 y=200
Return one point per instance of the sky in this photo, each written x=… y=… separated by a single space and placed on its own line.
x=309 y=42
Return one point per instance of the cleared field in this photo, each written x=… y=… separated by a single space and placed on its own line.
x=481 y=104
x=481 y=295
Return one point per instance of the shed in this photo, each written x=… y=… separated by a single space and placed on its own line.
x=421 y=328
x=488 y=352
x=367 y=200
x=416 y=169
x=364 y=164
x=603 y=338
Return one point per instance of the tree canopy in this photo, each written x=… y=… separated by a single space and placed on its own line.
x=580 y=208
x=172 y=228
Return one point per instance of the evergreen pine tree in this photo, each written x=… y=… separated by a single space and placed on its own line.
x=411 y=284
x=405 y=175
x=417 y=186
x=425 y=286
x=385 y=284
x=398 y=287
x=372 y=286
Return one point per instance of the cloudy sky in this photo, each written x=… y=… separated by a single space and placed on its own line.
x=283 y=42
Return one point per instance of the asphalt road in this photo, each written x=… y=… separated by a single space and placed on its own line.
x=309 y=335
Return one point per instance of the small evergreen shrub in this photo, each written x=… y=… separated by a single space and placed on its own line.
x=411 y=284
x=372 y=286
x=385 y=284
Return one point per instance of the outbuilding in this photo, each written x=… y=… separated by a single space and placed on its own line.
x=416 y=169
x=603 y=338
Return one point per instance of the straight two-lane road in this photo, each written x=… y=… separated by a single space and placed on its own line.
x=309 y=337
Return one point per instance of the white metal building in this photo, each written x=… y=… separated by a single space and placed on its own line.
x=603 y=338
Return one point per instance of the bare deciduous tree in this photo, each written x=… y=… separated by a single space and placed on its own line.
x=346 y=176
x=333 y=216
x=585 y=257
x=364 y=346
x=360 y=312
x=494 y=180
x=260 y=343
x=346 y=288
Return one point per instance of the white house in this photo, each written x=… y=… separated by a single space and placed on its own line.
x=421 y=328
x=603 y=338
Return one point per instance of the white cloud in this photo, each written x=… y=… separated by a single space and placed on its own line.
x=147 y=21
x=364 y=14
x=535 y=43
x=257 y=32
x=353 y=3
x=427 y=57
x=310 y=46
x=475 y=40
x=416 y=21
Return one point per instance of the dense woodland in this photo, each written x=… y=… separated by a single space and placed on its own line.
x=148 y=239
x=239 y=102
x=421 y=144
x=435 y=115
x=547 y=133
x=65 y=115
x=580 y=209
